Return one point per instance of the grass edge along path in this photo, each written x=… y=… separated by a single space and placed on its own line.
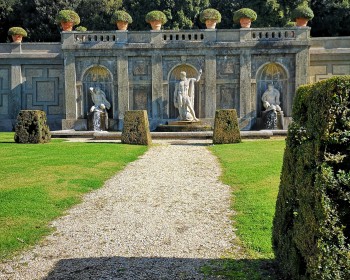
x=252 y=169
x=39 y=182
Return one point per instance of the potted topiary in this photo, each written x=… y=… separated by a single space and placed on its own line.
x=302 y=15
x=122 y=19
x=67 y=19
x=210 y=17
x=156 y=19
x=17 y=34
x=81 y=28
x=245 y=17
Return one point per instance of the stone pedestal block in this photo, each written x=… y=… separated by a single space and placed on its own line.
x=226 y=128
x=136 y=128
x=31 y=127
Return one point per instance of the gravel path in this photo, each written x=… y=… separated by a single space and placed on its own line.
x=163 y=217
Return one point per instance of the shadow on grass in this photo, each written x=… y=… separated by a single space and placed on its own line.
x=162 y=268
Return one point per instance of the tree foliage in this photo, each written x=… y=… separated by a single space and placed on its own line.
x=38 y=16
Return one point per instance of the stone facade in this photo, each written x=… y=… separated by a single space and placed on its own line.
x=138 y=71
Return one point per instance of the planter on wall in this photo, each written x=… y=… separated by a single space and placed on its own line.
x=210 y=24
x=245 y=22
x=122 y=19
x=67 y=26
x=122 y=25
x=17 y=34
x=156 y=19
x=301 y=22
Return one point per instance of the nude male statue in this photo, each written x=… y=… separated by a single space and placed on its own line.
x=184 y=97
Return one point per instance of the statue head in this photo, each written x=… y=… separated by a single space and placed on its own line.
x=270 y=86
x=182 y=75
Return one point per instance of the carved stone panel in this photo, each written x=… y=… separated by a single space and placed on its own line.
x=4 y=91
x=140 y=68
x=141 y=98
x=227 y=67
x=43 y=89
x=227 y=96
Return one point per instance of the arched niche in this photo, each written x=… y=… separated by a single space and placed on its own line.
x=97 y=76
x=173 y=78
x=276 y=74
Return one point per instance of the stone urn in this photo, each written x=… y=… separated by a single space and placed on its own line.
x=210 y=23
x=122 y=25
x=156 y=24
x=17 y=38
x=67 y=26
x=245 y=22
x=301 y=22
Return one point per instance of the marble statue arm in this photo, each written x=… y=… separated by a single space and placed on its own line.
x=199 y=75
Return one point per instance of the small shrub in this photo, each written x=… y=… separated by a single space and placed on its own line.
x=210 y=14
x=156 y=15
x=17 y=31
x=302 y=12
x=121 y=16
x=136 y=128
x=68 y=16
x=31 y=127
x=244 y=13
x=311 y=228
x=226 y=128
x=290 y=24
x=81 y=28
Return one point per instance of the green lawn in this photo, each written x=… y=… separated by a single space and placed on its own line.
x=40 y=181
x=253 y=169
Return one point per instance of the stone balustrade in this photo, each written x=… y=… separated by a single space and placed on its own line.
x=188 y=36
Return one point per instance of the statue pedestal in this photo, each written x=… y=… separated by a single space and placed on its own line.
x=90 y=121
x=272 y=119
x=183 y=126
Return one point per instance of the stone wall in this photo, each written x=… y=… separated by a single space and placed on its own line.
x=138 y=71
x=31 y=78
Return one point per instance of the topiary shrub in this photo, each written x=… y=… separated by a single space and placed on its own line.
x=226 y=128
x=156 y=15
x=210 y=14
x=68 y=16
x=302 y=12
x=311 y=227
x=136 y=128
x=17 y=31
x=31 y=127
x=121 y=16
x=244 y=13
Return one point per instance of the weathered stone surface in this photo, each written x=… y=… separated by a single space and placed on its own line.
x=226 y=128
x=136 y=128
x=31 y=127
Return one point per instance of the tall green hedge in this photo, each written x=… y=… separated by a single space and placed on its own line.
x=311 y=229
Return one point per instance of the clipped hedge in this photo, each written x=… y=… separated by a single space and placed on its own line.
x=311 y=228
x=136 y=128
x=226 y=128
x=31 y=127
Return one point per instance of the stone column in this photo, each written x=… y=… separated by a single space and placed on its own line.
x=16 y=91
x=210 y=86
x=123 y=89
x=70 y=91
x=245 y=90
x=157 y=88
x=302 y=62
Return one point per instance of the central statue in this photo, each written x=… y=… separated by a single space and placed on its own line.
x=184 y=97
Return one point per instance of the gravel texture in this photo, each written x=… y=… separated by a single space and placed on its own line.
x=163 y=217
